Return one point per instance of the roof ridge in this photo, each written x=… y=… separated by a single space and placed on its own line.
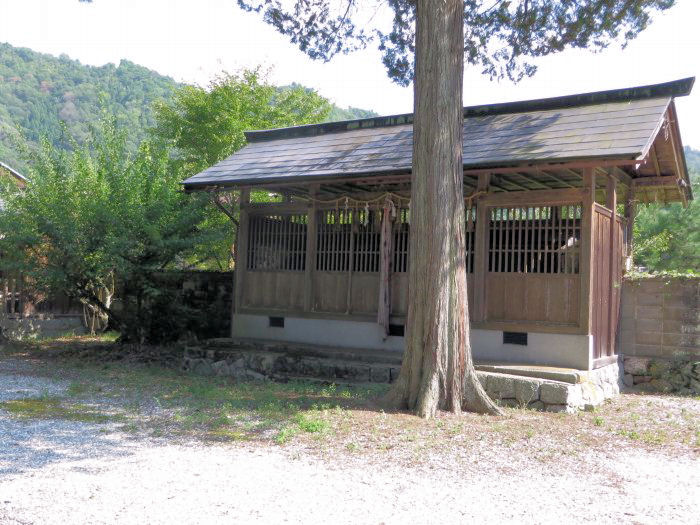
x=675 y=88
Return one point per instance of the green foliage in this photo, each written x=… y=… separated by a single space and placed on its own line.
x=667 y=237
x=207 y=125
x=500 y=37
x=98 y=211
x=42 y=95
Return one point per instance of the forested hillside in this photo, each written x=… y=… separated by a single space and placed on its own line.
x=41 y=94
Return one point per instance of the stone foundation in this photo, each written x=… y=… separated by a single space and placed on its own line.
x=257 y=360
x=580 y=391
x=653 y=374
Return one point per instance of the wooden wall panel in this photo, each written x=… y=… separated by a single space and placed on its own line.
x=517 y=297
x=365 y=293
x=330 y=292
x=274 y=290
x=399 y=293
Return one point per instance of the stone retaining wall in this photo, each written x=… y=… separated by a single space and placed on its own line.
x=660 y=334
x=660 y=317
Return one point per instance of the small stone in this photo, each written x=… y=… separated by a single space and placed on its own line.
x=659 y=369
x=203 y=368
x=220 y=368
x=695 y=386
x=510 y=402
x=628 y=380
x=637 y=366
x=556 y=408
x=379 y=374
x=661 y=385
x=536 y=405
x=638 y=380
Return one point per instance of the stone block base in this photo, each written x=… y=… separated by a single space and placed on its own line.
x=679 y=375
x=592 y=388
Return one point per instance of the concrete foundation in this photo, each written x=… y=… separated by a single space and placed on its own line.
x=562 y=350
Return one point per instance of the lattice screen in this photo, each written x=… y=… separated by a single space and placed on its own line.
x=542 y=239
x=401 y=236
x=346 y=232
x=277 y=242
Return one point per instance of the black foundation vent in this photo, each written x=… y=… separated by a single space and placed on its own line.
x=396 y=329
x=276 y=322
x=515 y=338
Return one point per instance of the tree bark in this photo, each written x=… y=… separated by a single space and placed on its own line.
x=437 y=371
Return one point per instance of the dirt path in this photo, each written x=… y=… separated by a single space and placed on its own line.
x=55 y=471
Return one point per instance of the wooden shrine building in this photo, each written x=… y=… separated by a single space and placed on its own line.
x=550 y=189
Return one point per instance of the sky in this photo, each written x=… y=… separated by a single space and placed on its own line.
x=194 y=40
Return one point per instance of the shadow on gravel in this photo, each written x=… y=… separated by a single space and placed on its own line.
x=27 y=445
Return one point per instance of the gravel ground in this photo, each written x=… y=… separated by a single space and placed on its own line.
x=66 y=472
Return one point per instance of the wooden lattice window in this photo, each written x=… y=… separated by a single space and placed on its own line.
x=401 y=230
x=348 y=236
x=277 y=242
x=542 y=239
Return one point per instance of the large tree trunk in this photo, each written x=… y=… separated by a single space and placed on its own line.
x=437 y=371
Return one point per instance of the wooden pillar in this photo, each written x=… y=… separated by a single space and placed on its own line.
x=630 y=214
x=586 y=251
x=385 y=256
x=481 y=248
x=611 y=204
x=240 y=267
x=311 y=237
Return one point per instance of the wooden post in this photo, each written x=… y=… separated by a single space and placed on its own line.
x=240 y=267
x=311 y=235
x=586 y=252
x=611 y=204
x=630 y=214
x=481 y=248
x=385 y=256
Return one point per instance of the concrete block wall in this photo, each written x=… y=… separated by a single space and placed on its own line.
x=660 y=317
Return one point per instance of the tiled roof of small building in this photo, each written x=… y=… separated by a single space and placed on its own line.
x=618 y=124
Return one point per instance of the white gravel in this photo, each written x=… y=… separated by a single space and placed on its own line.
x=64 y=473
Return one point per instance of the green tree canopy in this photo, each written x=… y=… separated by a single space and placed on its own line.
x=667 y=237
x=96 y=213
x=207 y=125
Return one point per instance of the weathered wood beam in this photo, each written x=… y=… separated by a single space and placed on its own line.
x=532 y=181
x=481 y=248
x=677 y=156
x=311 y=239
x=586 y=252
x=557 y=179
x=602 y=163
x=502 y=178
x=611 y=204
x=668 y=181
x=534 y=197
x=239 y=280
x=655 y=160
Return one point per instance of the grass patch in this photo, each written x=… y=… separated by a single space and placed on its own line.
x=54 y=408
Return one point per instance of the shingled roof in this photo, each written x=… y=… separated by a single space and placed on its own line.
x=617 y=124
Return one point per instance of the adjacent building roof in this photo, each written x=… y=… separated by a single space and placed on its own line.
x=13 y=172
x=617 y=124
